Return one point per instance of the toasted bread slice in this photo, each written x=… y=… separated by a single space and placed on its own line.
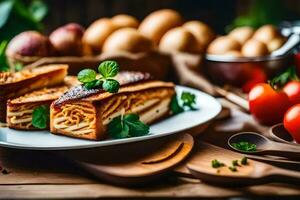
x=19 y=110
x=16 y=84
x=86 y=113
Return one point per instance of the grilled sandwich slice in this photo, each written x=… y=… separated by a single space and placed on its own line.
x=86 y=113
x=20 y=109
x=13 y=85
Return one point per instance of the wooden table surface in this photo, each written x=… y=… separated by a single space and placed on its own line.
x=41 y=175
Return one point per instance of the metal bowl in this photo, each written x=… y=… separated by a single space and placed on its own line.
x=234 y=71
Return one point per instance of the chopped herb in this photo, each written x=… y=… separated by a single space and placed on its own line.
x=235 y=163
x=232 y=168
x=244 y=161
x=108 y=70
x=216 y=164
x=126 y=126
x=41 y=117
x=244 y=146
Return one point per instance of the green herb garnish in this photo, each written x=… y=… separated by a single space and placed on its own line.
x=235 y=163
x=232 y=168
x=216 y=164
x=41 y=117
x=244 y=161
x=128 y=125
x=187 y=99
x=289 y=75
x=244 y=146
x=108 y=70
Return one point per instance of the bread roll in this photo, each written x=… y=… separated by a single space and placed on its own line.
x=97 y=33
x=203 y=33
x=122 y=21
x=266 y=33
x=276 y=43
x=253 y=48
x=242 y=34
x=155 y=25
x=127 y=39
x=222 y=45
x=233 y=53
x=179 y=40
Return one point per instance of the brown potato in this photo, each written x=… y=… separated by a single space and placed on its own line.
x=266 y=33
x=129 y=40
x=179 y=40
x=123 y=21
x=97 y=33
x=233 y=53
x=155 y=25
x=242 y=34
x=222 y=45
x=253 y=48
x=29 y=43
x=67 y=39
x=203 y=33
x=276 y=43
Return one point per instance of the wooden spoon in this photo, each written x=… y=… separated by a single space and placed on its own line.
x=134 y=163
x=251 y=174
x=264 y=146
x=280 y=134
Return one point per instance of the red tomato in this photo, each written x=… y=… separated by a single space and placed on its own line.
x=268 y=105
x=292 y=89
x=257 y=75
x=292 y=122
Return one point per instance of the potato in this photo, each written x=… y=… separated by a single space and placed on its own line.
x=29 y=43
x=233 y=53
x=241 y=34
x=129 y=40
x=222 y=45
x=253 y=48
x=155 y=25
x=203 y=33
x=123 y=21
x=266 y=33
x=179 y=40
x=276 y=43
x=97 y=33
x=67 y=39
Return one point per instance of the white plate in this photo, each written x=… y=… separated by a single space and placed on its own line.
x=208 y=106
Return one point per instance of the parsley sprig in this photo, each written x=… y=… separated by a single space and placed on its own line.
x=125 y=126
x=107 y=69
x=187 y=100
x=41 y=117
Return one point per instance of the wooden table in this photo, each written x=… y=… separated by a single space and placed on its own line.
x=40 y=175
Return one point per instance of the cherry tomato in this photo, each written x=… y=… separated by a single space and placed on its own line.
x=268 y=105
x=257 y=75
x=292 y=122
x=292 y=89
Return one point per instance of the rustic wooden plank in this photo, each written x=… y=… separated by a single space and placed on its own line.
x=183 y=190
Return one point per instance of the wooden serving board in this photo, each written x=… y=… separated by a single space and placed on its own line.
x=134 y=163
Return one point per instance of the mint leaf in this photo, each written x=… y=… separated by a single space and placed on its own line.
x=108 y=69
x=41 y=117
x=175 y=107
x=111 y=85
x=136 y=127
x=86 y=75
x=127 y=126
x=117 y=129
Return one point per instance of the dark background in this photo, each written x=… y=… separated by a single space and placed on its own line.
x=217 y=13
